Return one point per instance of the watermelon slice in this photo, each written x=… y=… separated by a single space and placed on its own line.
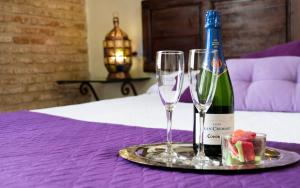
x=239 y=147
x=257 y=159
x=230 y=160
x=249 y=134
x=240 y=135
x=235 y=139
x=232 y=149
x=248 y=151
x=245 y=151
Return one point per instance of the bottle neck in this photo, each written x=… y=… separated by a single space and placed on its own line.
x=214 y=40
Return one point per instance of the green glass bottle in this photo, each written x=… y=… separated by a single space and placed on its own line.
x=219 y=118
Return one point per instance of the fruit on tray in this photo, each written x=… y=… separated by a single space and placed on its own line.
x=240 y=135
x=243 y=147
x=245 y=151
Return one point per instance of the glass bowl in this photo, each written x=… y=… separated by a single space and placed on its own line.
x=239 y=150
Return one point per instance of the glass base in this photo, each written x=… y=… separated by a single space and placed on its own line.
x=165 y=156
x=162 y=155
x=200 y=161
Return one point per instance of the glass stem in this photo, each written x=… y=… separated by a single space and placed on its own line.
x=200 y=149
x=169 y=131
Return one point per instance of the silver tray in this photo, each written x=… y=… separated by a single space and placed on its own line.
x=142 y=154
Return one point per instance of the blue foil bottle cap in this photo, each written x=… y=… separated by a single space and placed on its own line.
x=212 y=19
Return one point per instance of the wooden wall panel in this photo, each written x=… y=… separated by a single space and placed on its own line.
x=171 y=25
x=295 y=19
x=174 y=22
x=247 y=25
x=174 y=43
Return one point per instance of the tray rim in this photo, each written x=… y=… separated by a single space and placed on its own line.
x=124 y=153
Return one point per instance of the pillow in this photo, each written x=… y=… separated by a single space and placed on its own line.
x=186 y=96
x=264 y=84
x=287 y=49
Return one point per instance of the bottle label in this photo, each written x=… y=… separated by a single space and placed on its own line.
x=215 y=126
x=214 y=42
x=220 y=66
x=219 y=62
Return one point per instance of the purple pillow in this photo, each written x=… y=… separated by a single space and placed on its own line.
x=263 y=84
x=287 y=49
x=266 y=84
x=186 y=96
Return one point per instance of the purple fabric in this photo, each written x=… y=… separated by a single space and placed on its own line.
x=39 y=150
x=263 y=84
x=266 y=84
x=287 y=49
x=186 y=96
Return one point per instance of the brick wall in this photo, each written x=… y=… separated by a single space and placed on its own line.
x=41 y=41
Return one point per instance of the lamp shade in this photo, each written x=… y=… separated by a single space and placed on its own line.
x=117 y=50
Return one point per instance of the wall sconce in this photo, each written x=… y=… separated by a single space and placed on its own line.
x=117 y=52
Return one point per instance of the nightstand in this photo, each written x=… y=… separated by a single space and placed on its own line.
x=86 y=84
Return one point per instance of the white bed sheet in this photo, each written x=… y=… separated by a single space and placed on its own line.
x=147 y=111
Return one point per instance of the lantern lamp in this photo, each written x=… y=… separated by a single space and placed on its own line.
x=117 y=52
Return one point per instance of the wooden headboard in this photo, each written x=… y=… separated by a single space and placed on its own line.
x=247 y=25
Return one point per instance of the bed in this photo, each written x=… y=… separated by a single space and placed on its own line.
x=77 y=145
x=146 y=110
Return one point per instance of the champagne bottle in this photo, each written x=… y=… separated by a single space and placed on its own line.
x=219 y=119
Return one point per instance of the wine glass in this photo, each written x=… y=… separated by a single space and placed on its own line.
x=203 y=76
x=169 y=73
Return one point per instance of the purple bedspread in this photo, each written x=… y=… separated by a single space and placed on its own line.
x=38 y=150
